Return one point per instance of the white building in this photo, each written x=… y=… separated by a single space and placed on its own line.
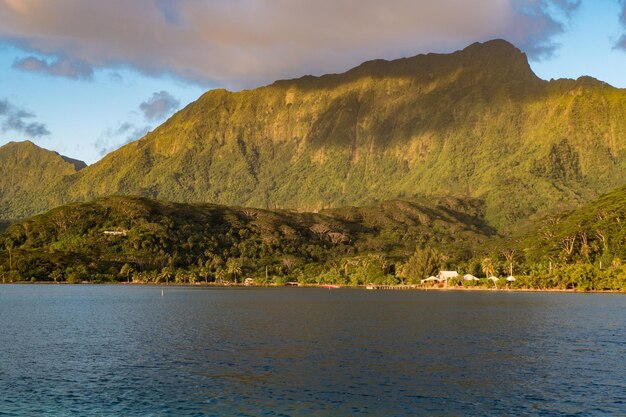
x=446 y=275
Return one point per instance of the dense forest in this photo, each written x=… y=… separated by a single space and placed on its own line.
x=133 y=239
x=136 y=238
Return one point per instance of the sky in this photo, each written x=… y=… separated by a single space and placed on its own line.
x=84 y=77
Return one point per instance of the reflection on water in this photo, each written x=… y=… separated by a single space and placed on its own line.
x=117 y=350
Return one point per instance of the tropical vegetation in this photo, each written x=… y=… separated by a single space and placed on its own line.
x=134 y=239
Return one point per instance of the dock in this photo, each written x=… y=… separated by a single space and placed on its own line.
x=391 y=287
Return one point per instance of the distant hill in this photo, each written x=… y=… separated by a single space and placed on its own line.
x=100 y=237
x=476 y=124
x=594 y=233
x=25 y=169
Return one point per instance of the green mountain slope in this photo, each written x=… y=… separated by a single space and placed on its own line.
x=154 y=237
x=25 y=168
x=473 y=124
x=594 y=233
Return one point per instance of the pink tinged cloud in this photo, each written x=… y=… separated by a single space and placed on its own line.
x=60 y=67
x=245 y=43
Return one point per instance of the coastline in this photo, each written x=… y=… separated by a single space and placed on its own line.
x=325 y=286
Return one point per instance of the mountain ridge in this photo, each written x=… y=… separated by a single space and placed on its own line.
x=477 y=123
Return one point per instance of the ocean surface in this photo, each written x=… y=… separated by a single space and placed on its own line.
x=90 y=350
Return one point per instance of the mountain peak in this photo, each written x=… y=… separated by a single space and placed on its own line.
x=26 y=148
x=494 y=44
x=496 y=59
x=25 y=169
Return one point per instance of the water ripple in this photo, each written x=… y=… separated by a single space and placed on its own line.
x=117 y=350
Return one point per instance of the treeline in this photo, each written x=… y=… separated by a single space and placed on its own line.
x=125 y=239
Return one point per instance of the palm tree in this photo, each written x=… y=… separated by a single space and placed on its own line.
x=166 y=274
x=204 y=272
x=487 y=266
x=127 y=270
x=220 y=274
x=233 y=266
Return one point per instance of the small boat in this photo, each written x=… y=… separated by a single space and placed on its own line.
x=331 y=286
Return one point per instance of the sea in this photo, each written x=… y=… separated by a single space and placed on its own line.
x=117 y=350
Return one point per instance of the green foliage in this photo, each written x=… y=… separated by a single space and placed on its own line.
x=147 y=241
x=421 y=264
x=134 y=239
x=593 y=234
x=476 y=124
x=23 y=166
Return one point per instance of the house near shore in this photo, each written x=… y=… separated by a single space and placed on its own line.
x=444 y=276
x=493 y=279
x=470 y=277
x=430 y=279
x=510 y=278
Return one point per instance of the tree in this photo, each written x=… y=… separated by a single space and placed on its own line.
x=127 y=270
x=401 y=273
x=76 y=274
x=166 y=274
x=568 y=245
x=509 y=255
x=192 y=277
x=9 y=244
x=205 y=270
x=487 y=267
x=233 y=267
x=220 y=274
x=421 y=264
x=584 y=246
x=338 y=237
x=180 y=276
x=371 y=268
x=56 y=275
x=320 y=229
x=289 y=262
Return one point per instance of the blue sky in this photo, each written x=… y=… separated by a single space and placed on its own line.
x=83 y=77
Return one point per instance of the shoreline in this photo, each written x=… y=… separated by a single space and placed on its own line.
x=324 y=286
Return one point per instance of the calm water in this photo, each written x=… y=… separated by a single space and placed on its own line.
x=116 y=350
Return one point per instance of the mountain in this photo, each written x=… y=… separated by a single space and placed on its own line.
x=24 y=169
x=474 y=124
x=95 y=240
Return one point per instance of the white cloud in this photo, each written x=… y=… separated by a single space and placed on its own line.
x=245 y=43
